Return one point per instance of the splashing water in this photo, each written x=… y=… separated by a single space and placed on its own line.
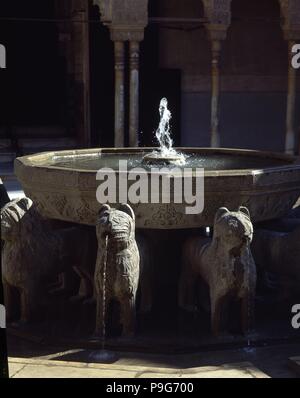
x=163 y=131
x=166 y=151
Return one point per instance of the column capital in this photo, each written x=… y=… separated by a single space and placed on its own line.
x=290 y=13
x=218 y=14
x=126 y=19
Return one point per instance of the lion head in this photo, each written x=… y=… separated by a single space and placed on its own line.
x=233 y=229
x=116 y=224
x=17 y=217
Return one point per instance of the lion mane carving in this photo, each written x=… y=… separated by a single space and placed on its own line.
x=225 y=264
x=3 y=195
x=118 y=264
x=33 y=254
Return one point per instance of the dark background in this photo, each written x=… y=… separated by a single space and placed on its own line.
x=34 y=85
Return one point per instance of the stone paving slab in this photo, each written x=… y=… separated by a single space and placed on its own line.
x=35 y=368
x=294 y=363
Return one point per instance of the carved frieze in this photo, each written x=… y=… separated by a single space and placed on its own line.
x=126 y=19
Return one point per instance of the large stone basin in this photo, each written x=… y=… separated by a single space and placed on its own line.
x=63 y=184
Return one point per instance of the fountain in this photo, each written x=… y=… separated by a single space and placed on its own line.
x=63 y=185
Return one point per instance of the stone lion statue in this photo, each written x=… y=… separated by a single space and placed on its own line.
x=4 y=198
x=3 y=195
x=33 y=254
x=225 y=264
x=279 y=253
x=117 y=266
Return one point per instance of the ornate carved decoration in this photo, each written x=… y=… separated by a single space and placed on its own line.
x=218 y=13
x=126 y=19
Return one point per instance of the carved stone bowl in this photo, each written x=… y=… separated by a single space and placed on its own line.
x=64 y=184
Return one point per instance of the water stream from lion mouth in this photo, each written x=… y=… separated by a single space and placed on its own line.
x=104 y=294
x=104 y=355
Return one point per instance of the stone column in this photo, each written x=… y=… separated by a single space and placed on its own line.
x=218 y=14
x=81 y=48
x=134 y=48
x=290 y=13
x=215 y=93
x=290 y=136
x=126 y=20
x=119 y=93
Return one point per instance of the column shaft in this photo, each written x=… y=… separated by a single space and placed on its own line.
x=134 y=94
x=215 y=95
x=119 y=93
x=291 y=105
x=80 y=101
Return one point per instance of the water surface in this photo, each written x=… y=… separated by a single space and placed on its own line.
x=209 y=162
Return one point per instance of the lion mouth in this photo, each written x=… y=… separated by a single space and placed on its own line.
x=247 y=238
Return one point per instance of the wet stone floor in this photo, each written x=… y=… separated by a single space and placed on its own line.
x=271 y=361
